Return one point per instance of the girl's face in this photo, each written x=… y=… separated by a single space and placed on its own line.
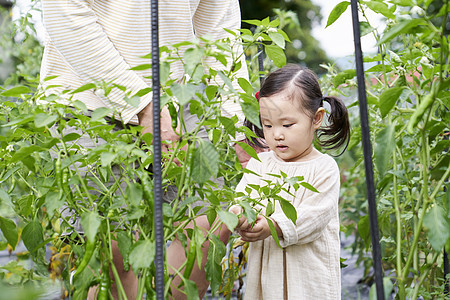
x=288 y=131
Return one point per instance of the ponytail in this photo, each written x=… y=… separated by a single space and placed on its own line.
x=337 y=131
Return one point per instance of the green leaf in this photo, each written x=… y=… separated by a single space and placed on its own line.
x=276 y=54
x=249 y=149
x=388 y=99
x=344 y=76
x=124 y=244
x=245 y=85
x=226 y=80
x=216 y=252
x=4 y=197
x=273 y=231
x=143 y=92
x=289 y=210
x=387 y=286
x=133 y=101
x=142 y=255
x=191 y=290
x=437 y=224
x=211 y=91
x=106 y=158
x=134 y=194
x=84 y=88
x=379 y=68
x=90 y=221
x=250 y=107
x=274 y=23
x=80 y=106
x=403 y=2
x=265 y=22
x=53 y=200
x=365 y=28
x=71 y=137
x=384 y=147
x=249 y=212
x=278 y=39
x=400 y=28
x=337 y=11
x=9 y=230
x=50 y=77
x=142 y=67
x=99 y=113
x=22 y=119
x=32 y=235
x=24 y=152
x=380 y=7
x=184 y=92
x=229 y=125
x=364 y=230
x=42 y=120
x=252 y=22
x=164 y=72
x=309 y=187
x=205 y=162
x=16 y=91
x=228 y=218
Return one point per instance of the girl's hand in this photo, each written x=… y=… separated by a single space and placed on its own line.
x=242 y=223
x=259 y=231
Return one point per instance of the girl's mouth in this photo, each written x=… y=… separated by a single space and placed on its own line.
x=282 y=147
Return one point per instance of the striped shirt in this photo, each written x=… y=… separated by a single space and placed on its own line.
x=101 y=40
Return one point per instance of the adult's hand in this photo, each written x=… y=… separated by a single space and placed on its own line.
x=168 y=134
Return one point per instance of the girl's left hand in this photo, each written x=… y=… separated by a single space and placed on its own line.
x=259 y=231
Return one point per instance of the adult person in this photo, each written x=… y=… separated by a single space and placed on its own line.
x=101 y=40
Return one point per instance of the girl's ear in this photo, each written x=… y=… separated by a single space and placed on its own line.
x=318 y=118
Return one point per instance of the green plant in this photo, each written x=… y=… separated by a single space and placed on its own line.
x=408 y=96
x=110 y=186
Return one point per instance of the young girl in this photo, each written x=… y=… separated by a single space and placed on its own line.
x=308 y=265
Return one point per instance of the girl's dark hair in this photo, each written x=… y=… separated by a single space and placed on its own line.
x=304 y=86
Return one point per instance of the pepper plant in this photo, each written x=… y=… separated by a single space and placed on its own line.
x=408 y=97
x=46 y=171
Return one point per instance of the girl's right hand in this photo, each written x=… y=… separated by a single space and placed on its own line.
x=242 y=222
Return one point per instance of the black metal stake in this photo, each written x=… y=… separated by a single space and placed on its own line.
x=261 y=64
x=157 y=210
x=367 y=149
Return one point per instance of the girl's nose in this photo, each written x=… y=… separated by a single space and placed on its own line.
x=279 y=135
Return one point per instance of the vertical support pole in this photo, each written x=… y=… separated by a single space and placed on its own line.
x=157 y=210
x=367 y=149
x=261 y=63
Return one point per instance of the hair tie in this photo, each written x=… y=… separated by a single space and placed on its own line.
x=257 y=95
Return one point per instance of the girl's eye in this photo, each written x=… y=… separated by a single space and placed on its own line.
x=288 y=125
x=268 y=126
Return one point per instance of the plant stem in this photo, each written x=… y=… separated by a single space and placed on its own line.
x=418 y=227
x=141 y=285
x=399 y=229
x=423 y=276
x=118 y=282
